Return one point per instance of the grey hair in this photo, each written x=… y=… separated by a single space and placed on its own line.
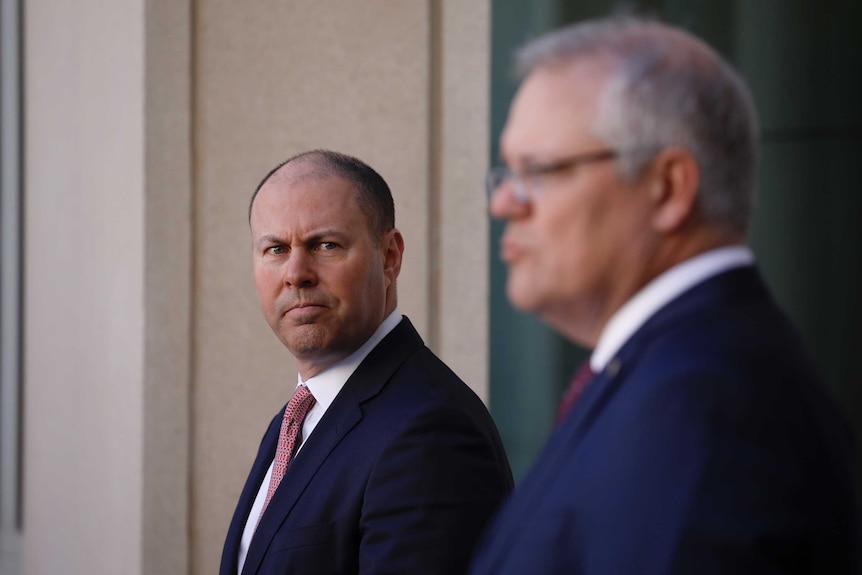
x=666 y=88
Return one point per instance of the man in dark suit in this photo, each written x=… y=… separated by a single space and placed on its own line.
x=699 y=439
x=384 y=461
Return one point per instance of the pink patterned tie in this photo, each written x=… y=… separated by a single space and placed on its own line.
x=291 y=427
x=579 y=382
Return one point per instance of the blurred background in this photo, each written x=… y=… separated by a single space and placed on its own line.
x=137 y=371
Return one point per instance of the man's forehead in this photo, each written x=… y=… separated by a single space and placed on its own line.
x=305 y=210
x=303 y=177
x=301 y=189
x=554 y=107
x=300 y=170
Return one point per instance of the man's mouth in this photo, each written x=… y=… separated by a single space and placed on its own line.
x=510 y=250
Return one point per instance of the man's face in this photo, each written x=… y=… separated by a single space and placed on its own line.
x=321 y=277
x=570 y=249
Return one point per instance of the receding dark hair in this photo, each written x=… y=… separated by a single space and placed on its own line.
x=371 y=190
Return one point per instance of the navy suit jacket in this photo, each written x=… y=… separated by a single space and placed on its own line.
x=708 y=445
x=400 y=475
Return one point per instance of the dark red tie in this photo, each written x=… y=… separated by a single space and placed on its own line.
x=579 y=382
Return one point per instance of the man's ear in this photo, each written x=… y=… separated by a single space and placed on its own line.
x=673 y=181
x=392 y=245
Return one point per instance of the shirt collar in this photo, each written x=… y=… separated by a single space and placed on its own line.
x=661 y=290
x=325 y=385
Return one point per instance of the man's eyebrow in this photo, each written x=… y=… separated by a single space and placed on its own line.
x=510 y=158
x=268 y=239
x=326 y=232
x=519 y=160
x=315 y=235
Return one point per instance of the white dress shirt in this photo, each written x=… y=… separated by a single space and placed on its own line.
x=660 y=291
x=324 y=387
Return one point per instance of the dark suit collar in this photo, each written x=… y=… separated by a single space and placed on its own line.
x=376 y=369
x=345 y=412
x=738 y=285
x=326 y=385
x=266 y=451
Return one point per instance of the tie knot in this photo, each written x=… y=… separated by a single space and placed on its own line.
x=583 y=375
x=299 y=404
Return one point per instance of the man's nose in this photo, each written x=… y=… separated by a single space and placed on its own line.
x=300 y=269
x=505 y=204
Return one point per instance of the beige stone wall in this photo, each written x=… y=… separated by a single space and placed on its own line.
x=84 y=288
x=149 y=122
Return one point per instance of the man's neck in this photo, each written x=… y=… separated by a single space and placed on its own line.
x=312 y=367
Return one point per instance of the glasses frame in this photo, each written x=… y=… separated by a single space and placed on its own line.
x=525 y=183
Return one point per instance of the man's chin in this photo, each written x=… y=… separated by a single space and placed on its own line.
x=304 y=340
x=521 y=297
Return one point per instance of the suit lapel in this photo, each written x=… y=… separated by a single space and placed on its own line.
x=341 y=417
x=557 y=452
x=265 y=453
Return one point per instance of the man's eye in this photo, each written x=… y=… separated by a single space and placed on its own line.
x=533 y=170
x=327 y=246
x=275 y=250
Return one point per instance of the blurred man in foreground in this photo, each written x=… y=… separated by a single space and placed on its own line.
x=699 y=438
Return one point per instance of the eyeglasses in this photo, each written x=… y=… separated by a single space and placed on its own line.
x=526 y=183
